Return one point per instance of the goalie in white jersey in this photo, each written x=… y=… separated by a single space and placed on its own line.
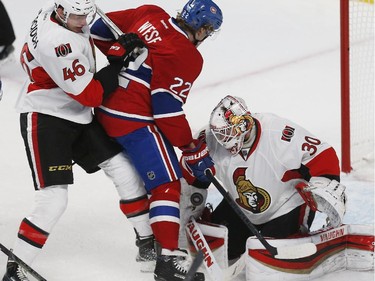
x=277 y=172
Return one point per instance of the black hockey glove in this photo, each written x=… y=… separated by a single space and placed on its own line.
x=108 y=77
x=125 y=44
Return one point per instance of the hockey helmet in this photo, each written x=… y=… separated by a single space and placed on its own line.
x=202 y=13
x=230 y=121
x=77 y=7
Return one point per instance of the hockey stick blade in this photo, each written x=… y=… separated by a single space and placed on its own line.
x=194 y=266
x=21 y=263
x=296 y=251
x=289 y=252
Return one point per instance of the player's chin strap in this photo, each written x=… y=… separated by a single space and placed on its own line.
x=215 y=260
x=282 y=252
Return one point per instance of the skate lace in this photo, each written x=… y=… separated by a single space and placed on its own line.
x=181 y=264
x=21 y=274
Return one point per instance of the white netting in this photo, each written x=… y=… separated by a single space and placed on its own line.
x=361 y=30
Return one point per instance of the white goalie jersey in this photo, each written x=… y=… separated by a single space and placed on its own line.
x=262 y=178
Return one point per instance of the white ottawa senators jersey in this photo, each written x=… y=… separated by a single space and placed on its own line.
x=261 y=178
x=60 y=64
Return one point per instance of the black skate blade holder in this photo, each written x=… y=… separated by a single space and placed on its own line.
x=21 y=263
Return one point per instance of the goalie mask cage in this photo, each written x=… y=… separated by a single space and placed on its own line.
x=357 y=82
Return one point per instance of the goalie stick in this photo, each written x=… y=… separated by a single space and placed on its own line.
x=285 y=252
x=194 y=266
x=21 y=263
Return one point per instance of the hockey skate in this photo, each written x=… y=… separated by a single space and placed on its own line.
x=173 y=266
x=146 y=253
x=15 y=272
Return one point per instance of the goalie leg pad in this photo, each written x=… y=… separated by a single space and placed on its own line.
x=192 y=204
x=212 y=240
x=346 y=247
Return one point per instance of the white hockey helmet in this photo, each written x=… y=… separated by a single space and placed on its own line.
x=77 y=7
x=230 y=121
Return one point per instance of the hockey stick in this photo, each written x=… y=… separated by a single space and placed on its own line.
x=287 y=252
x=21 y=263
x=115 y=29
x=194 y=266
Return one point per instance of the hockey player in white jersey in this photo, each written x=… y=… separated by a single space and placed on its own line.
x=279 y=173
x=58 y=128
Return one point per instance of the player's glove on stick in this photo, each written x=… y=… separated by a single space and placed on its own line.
x=195 y=161
x=119 y=51
x=117 y=56
x=325 y=195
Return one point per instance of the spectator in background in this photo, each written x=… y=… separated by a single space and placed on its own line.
x=7 y=37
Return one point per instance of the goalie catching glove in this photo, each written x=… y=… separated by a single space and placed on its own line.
x=194 y=162
x=326 y=196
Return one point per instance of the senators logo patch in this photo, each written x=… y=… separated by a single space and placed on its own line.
x=63 y=50
x=252 y=198
x=288 y=133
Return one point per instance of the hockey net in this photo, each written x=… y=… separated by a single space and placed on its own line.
x=357 y=81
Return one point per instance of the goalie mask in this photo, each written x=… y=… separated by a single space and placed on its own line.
x=76 y=7
x=230 y=122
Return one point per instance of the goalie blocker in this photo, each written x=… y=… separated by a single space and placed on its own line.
x=347 y=247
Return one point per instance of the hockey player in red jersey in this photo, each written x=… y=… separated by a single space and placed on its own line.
x=145 y=113
x=279 y=173
x=57 y=122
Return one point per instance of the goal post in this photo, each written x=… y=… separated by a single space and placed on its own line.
x=357 y=82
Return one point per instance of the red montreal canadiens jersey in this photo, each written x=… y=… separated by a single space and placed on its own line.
x=154 y=87
x=261 y=179
x=60 y=64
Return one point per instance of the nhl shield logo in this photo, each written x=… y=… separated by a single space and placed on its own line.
x=151 y=175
